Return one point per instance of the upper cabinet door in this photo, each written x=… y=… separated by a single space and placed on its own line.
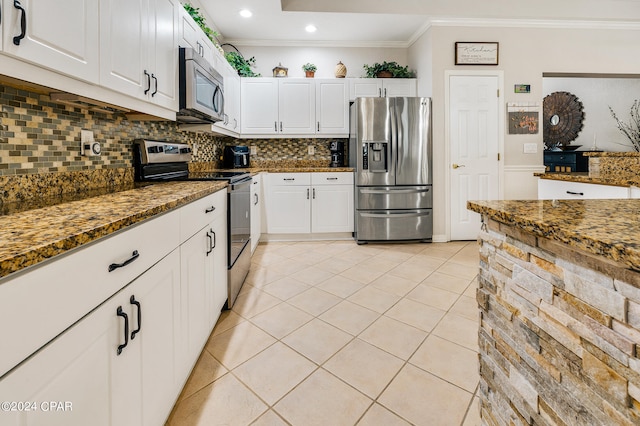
x=259 y=106
x=123 y=41
x=332 y=107
x=365 y=88
x=296 y=105
x=60 y=35
x=163 y=51
x=399 y=87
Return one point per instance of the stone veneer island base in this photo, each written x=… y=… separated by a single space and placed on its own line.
x=559 y=298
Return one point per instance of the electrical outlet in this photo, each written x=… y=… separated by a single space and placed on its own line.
x=311 y=149
x=254 y=150
x=530 y=148
x=194 y=151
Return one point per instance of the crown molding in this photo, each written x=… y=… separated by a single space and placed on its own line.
x=447 y=22
x=317 y=43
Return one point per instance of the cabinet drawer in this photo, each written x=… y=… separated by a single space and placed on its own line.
x=39 y=304
x=196 y=215
x=290 y=179
x=330 y=178
x=561 y=190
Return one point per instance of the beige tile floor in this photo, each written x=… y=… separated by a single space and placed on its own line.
x=332 y=333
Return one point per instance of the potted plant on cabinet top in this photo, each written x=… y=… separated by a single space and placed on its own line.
x=309 y=69
x=388 y=70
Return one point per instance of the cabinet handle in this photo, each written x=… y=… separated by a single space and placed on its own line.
x=575 y=193
x=314 y=193
x=255 y=203
x=23 y=22
x=126 y=330
x=210 y=249
x=332 y=178
x=307 y=193
x=318 y=128
x=133 y=301
x=148 y=82
x=155 y=79
x=281 y=126
x=210 y=209
x=275 y=126
x=235 y=123
x=379 y=93
x=288 y=178
x=133 y=257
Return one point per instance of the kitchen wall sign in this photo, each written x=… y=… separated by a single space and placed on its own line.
x=476 y=53
x=523 y=118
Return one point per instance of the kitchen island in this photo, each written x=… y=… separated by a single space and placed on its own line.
x=559 y=298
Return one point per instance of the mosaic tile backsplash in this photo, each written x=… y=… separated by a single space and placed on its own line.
x=38 y=137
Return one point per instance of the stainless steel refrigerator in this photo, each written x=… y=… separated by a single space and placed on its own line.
x=390 y=148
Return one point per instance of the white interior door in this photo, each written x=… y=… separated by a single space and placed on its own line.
x=474 y=149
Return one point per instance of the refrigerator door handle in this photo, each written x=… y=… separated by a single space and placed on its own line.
x=395 y=191
x=388 y=213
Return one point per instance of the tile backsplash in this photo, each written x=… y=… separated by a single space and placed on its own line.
x=39 y=136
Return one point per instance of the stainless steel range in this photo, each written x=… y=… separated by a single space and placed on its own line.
x=165 y=161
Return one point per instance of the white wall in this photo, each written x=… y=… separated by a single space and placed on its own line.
x=596 y=95
x=325 y=58
x=525 y=54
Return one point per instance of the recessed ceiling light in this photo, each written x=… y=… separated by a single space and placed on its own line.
x=310 y=28
x=246 y=13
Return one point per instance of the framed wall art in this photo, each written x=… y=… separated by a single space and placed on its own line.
x=476 y=53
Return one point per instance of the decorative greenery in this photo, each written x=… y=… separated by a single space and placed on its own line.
x=631 y=130
x=309 y=67
x=242 y=65
x=394 y=68
x=199 y=18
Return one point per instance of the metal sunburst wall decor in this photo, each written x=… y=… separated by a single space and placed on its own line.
x=562 y=119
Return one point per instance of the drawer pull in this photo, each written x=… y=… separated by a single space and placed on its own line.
x=210 y=209
x=575 y=193
x=126 y=330
x=289 y=179
x=214 y=238
x=133 y=257
x=332 y=178
x=133 y=301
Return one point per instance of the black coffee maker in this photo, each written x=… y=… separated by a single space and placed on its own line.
x=337 y=154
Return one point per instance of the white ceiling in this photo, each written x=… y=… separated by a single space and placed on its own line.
x=393 y=22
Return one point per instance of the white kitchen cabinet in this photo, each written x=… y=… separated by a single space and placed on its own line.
x=382 y=87
x=138 y=51
x=259 y=106
x=634 y=192
x=549 y=189
x=59 y=35
x=332 y=107
x=256 y=210
x=203 y=259
x=83 y=369
x=302 y=203
x=332 y=202
x=230 y=126
x=272 y=106
x=191 y=35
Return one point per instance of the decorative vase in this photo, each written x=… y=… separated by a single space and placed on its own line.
x=341 y=70
x=309 y=74
x=384 y=74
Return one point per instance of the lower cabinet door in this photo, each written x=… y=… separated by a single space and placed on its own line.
x=289 y=209
x=332 y=209
x=116 y=366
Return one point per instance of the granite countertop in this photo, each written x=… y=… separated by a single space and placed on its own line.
x=30 y=236
x=585 y=177
x=610 y=228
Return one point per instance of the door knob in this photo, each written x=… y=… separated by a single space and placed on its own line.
x=456 y=166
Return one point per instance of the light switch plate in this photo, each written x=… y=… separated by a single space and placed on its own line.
x=311 y=150
x=530 y=148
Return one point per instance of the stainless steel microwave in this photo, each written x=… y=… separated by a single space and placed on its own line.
x=201 y=89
